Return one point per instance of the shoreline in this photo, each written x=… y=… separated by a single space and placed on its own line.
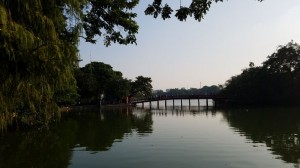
x=70 y=108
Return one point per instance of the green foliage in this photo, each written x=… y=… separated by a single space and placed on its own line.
x=38 y=47
x=285 y=60
x=117 y=90
x=141 y=87
x=197 y=8
x=277 y=82
x=38 y=53
x=111 y=20
x=96 y=79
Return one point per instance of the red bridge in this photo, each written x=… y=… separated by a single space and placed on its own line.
x=217 y=99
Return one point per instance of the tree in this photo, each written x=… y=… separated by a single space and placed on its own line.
x=276 y=82
x=38 y=47
x=87 y=86
x=117 y=90
x=111 y=19
x=141 y=87
x=197 y=8
x=284 y=65
x=102 y=73
x=285 y=60
x=114 y=21
x=97 y=79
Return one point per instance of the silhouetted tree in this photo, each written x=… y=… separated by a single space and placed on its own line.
x=196 y=9
x=276 y=82
x=98 y=79
x=141 y=87
x=117 y=90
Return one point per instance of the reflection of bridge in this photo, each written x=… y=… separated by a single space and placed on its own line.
x=217 y=99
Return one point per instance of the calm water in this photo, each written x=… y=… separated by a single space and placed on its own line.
x=177 y=138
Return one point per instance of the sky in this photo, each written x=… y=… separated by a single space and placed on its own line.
x=193 y=54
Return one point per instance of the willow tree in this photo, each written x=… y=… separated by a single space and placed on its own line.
x=38 y=48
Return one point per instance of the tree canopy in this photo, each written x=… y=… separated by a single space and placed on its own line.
x=196 y=9
x=38 y=46
x=98 y=80
x=141 y=87
x=38 y=49
x=113 y=20
x=276 y=82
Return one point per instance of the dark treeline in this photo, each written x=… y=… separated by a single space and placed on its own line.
x=276 y=82
x=98 y=81
x=192 y=91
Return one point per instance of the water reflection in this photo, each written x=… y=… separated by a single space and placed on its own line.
x=279 y=129
x=98 y=131
x=157 y=136
x=88 y=129
x=184 y=110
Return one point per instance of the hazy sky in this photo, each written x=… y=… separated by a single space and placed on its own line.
x=182 y=54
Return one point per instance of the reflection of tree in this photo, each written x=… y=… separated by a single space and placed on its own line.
x=36 y=149
x=98 y=130
x=279 y=129
x=143 y=123
x=87 y=128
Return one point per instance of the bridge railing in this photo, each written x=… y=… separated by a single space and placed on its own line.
x=170 y=97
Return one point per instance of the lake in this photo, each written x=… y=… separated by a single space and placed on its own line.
x=174 y=137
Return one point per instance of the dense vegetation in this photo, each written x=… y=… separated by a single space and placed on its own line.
x=196 y=9
x=38 y=53
x=192 y=91
x=98 y=81
x=276 y=82
x=38 y=47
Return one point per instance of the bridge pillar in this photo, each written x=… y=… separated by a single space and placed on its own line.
x=142 y=104
x=150 y=104
x=189 y=103
x=166 y=103
x=158 y=104
x=206 y=102
x=173 y=103
x=181 y=103
x=198 y=102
